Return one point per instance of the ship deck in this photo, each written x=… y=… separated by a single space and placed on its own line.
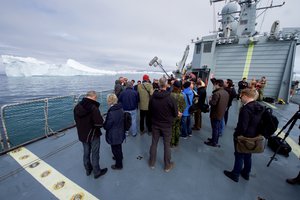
x=198 y=171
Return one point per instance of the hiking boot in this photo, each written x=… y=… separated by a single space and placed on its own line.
x=195 y=128
x=116 y=168
x=245 y=176
x=231 y=176
x=209 y=143
x=294 y=181
x=102 y=172
x=167 y=169
x=88 y=172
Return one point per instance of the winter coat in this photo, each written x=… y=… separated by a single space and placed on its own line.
x=118 y=88
x=129 y=99
x=187 y=93
x=163 y=109
x=145 y=94
x=218 y=103
x=232 y=94
x=249 y=118
x=202 y=96
x=88 y=120
x=114 y=125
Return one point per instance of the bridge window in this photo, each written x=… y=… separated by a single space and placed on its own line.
x=207 y=47
x=198 y=48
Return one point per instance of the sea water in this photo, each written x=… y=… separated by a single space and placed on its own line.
x=20 y=89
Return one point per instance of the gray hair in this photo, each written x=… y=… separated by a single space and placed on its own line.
x=162 y=82
x=112 y=99
x=92 y=94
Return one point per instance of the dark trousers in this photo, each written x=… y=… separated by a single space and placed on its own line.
x=216 y=129
x=167 y=134
x=118 y=154
x=91 y=149
x=145 y=114
x=242 y=164
x=198 y=119
x=226 y=115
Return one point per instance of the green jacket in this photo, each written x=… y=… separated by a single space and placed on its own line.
x=145 y=90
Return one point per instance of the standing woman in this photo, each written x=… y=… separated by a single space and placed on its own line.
x=115 y=132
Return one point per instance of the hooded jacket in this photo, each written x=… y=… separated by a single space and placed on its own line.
x=163 y=108
x=114 y=125
x=88 y=120
x=249 y=118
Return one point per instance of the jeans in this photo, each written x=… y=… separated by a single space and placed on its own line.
x=216 y=126
x=133 y=128
x=186 y=129
x=88 y=149
x=241 y=159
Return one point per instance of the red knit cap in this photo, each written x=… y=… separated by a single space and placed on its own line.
x=145 y=77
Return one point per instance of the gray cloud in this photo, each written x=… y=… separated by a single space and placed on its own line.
x=114 y=34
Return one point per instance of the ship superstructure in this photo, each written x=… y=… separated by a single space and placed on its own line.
x=238 y=50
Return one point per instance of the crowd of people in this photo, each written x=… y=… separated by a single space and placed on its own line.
x=163 y=107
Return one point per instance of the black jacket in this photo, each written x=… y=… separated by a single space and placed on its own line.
x=114 y=125
x=249 y=119
x=88 y=120
x=163 y=108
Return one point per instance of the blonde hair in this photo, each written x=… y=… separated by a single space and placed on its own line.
x=112 y=99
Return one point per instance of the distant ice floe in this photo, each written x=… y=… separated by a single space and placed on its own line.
x=27 y=66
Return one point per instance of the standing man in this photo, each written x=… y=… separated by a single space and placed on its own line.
x=242 y=85
x=88 y=123
x=129 y=99
x=218 y=102
x=163 y=110
x=249 y=118
x=145 y=91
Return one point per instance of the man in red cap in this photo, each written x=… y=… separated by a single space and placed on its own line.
x=145 y=91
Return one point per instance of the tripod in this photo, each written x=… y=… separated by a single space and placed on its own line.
x=291 y=122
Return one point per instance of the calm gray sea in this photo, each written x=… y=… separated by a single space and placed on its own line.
x=19 y=89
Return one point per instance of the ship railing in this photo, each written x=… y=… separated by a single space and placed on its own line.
x=29 y=121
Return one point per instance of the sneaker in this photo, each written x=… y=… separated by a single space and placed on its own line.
x=151 y=166
x=190 y=135
x=102 y=172
x=231 y=176
x=167 y=169
x=116 y=168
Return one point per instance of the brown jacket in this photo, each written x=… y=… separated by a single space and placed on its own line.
x=218 y=103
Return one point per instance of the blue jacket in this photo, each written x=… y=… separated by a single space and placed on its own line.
x=114 y=125
x=129 y=99
x=187 y=93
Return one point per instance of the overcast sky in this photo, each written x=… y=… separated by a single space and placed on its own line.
x=116 y=34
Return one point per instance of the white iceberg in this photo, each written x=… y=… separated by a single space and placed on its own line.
x=26 y=67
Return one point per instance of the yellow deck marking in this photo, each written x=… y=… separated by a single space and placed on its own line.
x=292 y=143
x=270 y=105
x=59 y=185
x=248 y=60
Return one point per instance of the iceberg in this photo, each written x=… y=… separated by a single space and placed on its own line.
x=28 y=66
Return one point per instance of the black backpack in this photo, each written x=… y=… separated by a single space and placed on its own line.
x=127 y=121
x=268 y=123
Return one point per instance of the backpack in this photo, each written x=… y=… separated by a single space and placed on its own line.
x=268 y=123
x=127 y=121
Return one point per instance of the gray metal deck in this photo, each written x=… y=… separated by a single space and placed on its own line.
x=198 y=171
